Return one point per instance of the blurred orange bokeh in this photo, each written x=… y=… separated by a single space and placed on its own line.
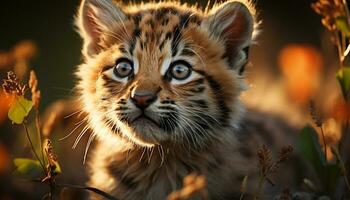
x=301 y=66
x=340 y=111
x=4 y=159
x=5 y=102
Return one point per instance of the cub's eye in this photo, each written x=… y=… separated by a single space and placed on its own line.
x=180 y=70
x=123 y=68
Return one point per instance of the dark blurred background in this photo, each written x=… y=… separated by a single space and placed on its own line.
x=49 y=24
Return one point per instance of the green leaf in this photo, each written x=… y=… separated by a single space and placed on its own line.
x=58 y=168
x=343 y=76
x=308 y=145
x=330 y=177
x=343 y=25
x=28 y=168
x=19 y=109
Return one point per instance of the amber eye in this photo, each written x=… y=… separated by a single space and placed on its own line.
x=123 y=68
x=180 y=70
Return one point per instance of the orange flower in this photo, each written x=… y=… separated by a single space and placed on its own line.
x=301 y=66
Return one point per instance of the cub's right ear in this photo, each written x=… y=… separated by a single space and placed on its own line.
x=234 y=24
x=95 y=19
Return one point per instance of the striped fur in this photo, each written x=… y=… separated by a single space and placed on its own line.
x=193 y=124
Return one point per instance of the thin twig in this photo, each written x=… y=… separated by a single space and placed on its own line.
x=347 y=182
x=346 y=9
x=261 y=182
x=32 y=146
x=339 y=46
x=343 y=44
x=38 y=125
x=242 y=196
x=341 y=163
x=347 y=51
x=92 y=189
x=52 y=189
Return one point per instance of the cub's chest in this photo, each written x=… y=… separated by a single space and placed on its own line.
x=150 y=178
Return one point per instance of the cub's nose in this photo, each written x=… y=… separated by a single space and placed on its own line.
x=142 y=99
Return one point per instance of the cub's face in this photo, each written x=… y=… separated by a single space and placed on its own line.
x=162 y=73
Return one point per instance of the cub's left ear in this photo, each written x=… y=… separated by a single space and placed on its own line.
x=232 y=23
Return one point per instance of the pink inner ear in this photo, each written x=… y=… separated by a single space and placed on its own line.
x=236 y=34
x=238 y=30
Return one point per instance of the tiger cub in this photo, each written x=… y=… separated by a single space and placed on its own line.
x=161 y=84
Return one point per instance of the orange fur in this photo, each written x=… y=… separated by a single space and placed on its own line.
x=189 y=117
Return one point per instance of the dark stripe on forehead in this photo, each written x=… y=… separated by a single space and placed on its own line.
x=137 y=19
x=184 y=19
x=165 y=21
x=176 y=39
x=161 y=45
x=132 y=46
x=137 y=32
x=122 y=49
x=168 y=35
x=150 y=23
x=162 y=12
x=187 y=51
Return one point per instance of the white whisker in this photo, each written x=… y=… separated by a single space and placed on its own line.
x=77 y=140
x=91 y=138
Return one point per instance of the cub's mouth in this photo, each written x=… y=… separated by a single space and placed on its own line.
x=144 y=120
x=146 y=130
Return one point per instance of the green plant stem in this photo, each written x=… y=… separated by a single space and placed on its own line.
x=261 y=182
x=32 y=146
x=52 y=189
x=343 y=168
x=324 y=143
x=243 y=187
x=344 y=143
x=347 y=182
x=38 y=125
x=242 y=196
x=339 y=47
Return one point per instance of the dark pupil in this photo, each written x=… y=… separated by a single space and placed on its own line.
x=180 y=71
x=123 y=69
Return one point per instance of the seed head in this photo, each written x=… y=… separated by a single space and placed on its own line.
x=11 y=85
x=329 y=10
x=33 y=85
x=264 y=155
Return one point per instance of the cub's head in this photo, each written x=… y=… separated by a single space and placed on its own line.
x=163 y=72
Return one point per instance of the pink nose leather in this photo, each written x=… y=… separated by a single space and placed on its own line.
x=143 y=99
